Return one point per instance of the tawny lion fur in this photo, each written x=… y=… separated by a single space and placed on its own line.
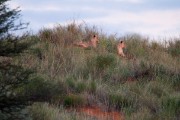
x=92 y=43
x=120 y=46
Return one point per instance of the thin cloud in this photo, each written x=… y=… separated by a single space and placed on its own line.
x=128 y=1
x=50 y=7
x=124 y=1
x=56 y=5
x=146 y=21
x=155 y=22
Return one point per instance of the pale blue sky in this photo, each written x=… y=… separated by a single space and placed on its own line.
x=155 y=18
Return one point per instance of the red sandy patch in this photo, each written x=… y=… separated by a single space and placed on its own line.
x=101 y=115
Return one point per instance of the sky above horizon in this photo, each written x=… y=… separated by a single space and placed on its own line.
x=154 y=18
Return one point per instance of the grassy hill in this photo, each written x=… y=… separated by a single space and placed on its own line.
x=146 y=86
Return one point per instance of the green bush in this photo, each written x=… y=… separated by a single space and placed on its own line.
x=92 y=87
x=38 y=52
x=75 y=86
x=160 y=70
x=80 y=87
x=43 y=90
x=119 y=101
x=136 y=45
x=174 y=48
x=45 y=34
x=73 y=100
x=96 y=66
x=105 y=61
x=71 y=83
x=175 y=80
x=157 y=89
x=171 y=105
x=45 y=111
x=109 y=45
x=12 y=77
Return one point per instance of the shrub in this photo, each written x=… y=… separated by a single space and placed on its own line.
x=171 y=105
x=160 y=70
x=71 y=83
x=38 y=52
x=141 y=114
x=80 y=87
x=109 y=44
x=12 y=77
x=92 y=87
x=13 y=47
x=45 y=111
x=119 y=101
x=96 y=66
x=158 y=89
x=155 y=46
x=42 y=90
x=105 y=61
x=45 y=34
x=73 y=100
x=175 y=80
x=137 y=45
x=174 y=48
x=75 y=86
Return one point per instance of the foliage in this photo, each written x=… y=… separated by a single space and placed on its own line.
x=39 y=89
x=14 y=46
x=119 y=101
x=12 y=77
x=104 y=61
x=8 y=19
x=45 y=111
x=73 y=100
x=146 y=87
x=174 y=48
x=171 y=105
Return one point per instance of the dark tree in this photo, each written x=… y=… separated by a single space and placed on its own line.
x=12 y=76
x=9 y=20
x=9 y=23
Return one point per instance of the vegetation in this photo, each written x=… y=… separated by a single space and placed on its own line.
x=66 y=76
x=43 y=76
x=9 y=20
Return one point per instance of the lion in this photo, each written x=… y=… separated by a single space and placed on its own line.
x=121 y=45
x=92 y=43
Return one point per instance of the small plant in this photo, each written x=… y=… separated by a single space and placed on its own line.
x=175 y=80
x=109 y=45
x=45 y=34
x=12 y=77
x=40 y=89
x=71 y=83
x=171 y=105
x=73 y=100
x=174 y=48
x=119 y=101
x=105 y=61
x=160 y=70
x=136 y=45
x=80 y=87
x=158 y=89
x=38 y=52
x=46 y=111
x=92 y=87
